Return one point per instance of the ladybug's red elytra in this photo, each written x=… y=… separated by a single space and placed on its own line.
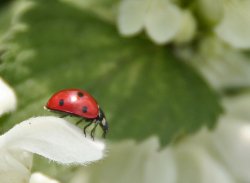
x=77 y=102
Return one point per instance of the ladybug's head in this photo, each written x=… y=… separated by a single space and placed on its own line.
x=103 y=122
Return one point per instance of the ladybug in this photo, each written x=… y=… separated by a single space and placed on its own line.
x=77 y=102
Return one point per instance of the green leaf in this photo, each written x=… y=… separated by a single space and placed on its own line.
x=104 y=9
x=143 y=88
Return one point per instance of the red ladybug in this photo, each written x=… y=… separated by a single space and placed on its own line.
x=76 y=102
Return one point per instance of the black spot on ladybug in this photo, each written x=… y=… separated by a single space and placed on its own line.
x=84 y=109
x=80 y=94
x=61 y=102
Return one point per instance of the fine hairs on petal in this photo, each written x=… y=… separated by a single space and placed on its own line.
x=7 y=98
x=55 y=139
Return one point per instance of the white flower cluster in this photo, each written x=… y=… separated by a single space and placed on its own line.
x=223 y=66
x=221 y=156
x=162 y=20
x=165 y=20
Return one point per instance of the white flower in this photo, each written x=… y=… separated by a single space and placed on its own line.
x=235 y=25
x=223 y=66
x=161 y=19
x=131 y=162
x=231 y=17
x=8 y=100
x=51 y=137
x=219 y=156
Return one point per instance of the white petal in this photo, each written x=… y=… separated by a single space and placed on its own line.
x=7 y=98
x=131 y=16
x=41 y=178
x=53 y=138
x=161 y=167
x=163 y=21
x=232 y=141
x=15 y=166
x=235 y=26
x=196 y=165
x=187 y=29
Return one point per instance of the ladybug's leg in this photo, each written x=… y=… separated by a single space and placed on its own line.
x=93 y=130
x=78 y=122
x=104 y=134
x=84 y=129
x=63 y=115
